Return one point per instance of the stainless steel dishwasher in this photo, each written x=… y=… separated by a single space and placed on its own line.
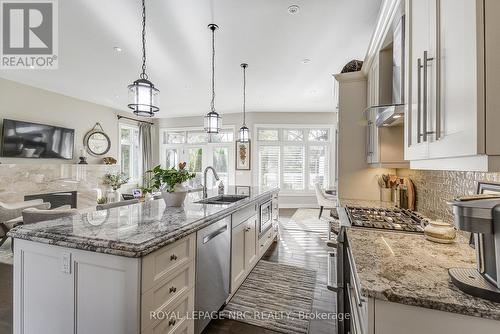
x=213 y=258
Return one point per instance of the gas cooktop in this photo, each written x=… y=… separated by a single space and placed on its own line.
x=388 y=219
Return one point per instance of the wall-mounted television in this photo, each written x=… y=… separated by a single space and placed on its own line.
x=32 y=140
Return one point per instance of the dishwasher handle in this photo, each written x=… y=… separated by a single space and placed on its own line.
x=212 y=235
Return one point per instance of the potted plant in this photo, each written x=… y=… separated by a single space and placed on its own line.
x=171 y=183
x=115 y=181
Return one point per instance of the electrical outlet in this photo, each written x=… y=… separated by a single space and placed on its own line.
x=66 y=263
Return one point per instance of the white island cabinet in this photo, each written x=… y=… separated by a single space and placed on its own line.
x=63 y=290
x=131 y=269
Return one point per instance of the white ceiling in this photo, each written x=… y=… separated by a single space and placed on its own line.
x=259 y=32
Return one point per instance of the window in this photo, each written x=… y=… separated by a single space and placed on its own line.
x=199 y=150
x=130 y=159
x=269 y=166
x=294 y=158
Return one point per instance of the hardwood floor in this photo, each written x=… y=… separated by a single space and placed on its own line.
x=5 y=298
x=303 y=249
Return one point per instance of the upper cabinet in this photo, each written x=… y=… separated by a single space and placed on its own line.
x=451 y=86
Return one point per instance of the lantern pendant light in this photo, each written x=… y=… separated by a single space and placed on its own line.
x=213 y=121
x=143 y=96
x=244 y=131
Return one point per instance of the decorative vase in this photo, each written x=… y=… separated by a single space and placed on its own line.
x=113 y=195
x=175 y=198
x=440 y=231
x=385 y=194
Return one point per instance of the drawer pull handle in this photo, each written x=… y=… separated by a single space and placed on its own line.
x=269 y=236
x=173 y=257
x=171 y=322
x=173 y=289
x=247 y=229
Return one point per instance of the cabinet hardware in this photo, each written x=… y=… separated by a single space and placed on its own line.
x=173 y=257
x=247 y=229
x=425 y=133
x=419 y=100
x=171 y=322
x=173 y=289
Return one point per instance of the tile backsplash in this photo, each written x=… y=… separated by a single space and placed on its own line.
x=434 y=188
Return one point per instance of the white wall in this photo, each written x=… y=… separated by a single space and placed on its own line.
x=26 y=103
x=253 y=118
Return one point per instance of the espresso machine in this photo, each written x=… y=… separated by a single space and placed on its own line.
x=481 y=217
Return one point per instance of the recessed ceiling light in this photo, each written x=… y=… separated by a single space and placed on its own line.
x=117 y=49
x=293 y=9
x=305 y=61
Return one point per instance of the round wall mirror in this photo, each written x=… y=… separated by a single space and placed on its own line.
x=96 y=141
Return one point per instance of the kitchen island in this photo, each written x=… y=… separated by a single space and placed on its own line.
x=399 y=283
x=129 y=269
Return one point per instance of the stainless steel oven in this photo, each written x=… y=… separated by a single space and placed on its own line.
x=266 y=217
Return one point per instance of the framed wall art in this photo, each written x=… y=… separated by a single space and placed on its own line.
x=243 y=155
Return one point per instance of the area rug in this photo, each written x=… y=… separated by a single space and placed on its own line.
x=274 y=296
x=307 y=220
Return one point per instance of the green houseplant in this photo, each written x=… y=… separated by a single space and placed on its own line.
x=171 y=183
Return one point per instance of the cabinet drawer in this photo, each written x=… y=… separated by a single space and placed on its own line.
x=265 y=240
x=175 y=320
x=243 y=214
x=163 y=296
x=161 y=263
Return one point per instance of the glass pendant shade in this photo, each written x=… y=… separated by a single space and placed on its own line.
x=143 y=98
x=213 y=122
x=244 y=134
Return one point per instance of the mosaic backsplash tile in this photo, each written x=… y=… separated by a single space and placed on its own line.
x=435 y=188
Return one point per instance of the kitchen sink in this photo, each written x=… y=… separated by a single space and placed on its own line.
x=222 y=199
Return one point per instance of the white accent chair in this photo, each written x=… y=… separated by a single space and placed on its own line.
x=324 y=200
x=11 y=212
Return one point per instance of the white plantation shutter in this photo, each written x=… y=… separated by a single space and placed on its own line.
x=269 y=165
x=318 y=166
x=294 y=158
x=293 y=168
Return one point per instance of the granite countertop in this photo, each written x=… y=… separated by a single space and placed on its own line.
x=408 y=269
x=134 y=230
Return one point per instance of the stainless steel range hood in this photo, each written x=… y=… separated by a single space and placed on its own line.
x=393 y=114
x=390 y=115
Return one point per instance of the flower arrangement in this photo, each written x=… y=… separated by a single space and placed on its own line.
x=167 y=179
x=115 y=181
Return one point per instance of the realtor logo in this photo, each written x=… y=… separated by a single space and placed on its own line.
x=28 y=34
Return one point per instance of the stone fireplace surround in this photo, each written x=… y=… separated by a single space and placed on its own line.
x=20 y=180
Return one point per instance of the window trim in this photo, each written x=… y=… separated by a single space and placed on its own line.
x=138 y=178
x=206 y=146
x=281 y=142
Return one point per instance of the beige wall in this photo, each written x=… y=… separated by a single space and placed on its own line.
x=356 y=179
x=26 y=103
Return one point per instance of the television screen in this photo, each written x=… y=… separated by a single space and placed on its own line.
x=31 y=140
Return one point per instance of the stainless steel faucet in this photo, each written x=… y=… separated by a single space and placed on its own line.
x=205 y=189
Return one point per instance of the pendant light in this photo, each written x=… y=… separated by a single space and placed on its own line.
x=143 y=96
x=244 y=132
x=212 y=119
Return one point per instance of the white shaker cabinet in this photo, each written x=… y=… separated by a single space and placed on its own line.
x=452 y=104
x=421 y=88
